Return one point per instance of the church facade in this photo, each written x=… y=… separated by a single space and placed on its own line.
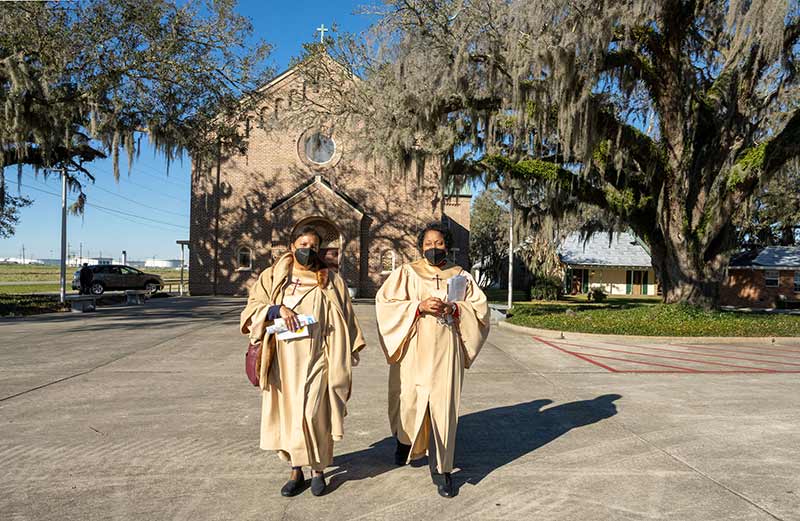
x=245 y=210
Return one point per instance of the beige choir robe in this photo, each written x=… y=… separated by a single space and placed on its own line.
x=427 y=357
x=305 y=382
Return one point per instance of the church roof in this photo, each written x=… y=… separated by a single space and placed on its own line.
x=624 y=250
x=322 y=181
x=293 y=69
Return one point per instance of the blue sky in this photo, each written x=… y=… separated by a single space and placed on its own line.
x=147 y=211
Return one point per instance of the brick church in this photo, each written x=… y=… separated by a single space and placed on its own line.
x=243 y=217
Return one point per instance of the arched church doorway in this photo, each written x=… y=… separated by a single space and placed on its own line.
x=330 y=247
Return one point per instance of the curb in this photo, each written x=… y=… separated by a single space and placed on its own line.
x=563 y=335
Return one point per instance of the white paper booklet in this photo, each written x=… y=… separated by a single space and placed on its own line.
x=279 y=327
x=457 y=288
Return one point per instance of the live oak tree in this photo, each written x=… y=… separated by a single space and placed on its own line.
x=488 y=235
x=774 y=218
x=670 y=116
x=86 y=80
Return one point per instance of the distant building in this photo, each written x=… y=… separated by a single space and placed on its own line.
x=79 y=261
x=621 y=266
x=19 y=260
x=162 y=263
x=762 y=278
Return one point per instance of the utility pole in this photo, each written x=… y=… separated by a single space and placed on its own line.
x=63 y=277
x=510 y=253
x=23 y=254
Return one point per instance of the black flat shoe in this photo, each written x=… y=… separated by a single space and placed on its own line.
x=318 y=485
x=294 y=486
x=445 y=486
x=401 y=453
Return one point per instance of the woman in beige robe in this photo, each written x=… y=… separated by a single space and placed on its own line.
x=429 y=342
x=305 y=382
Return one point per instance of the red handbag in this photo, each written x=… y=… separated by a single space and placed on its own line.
x=252 y=363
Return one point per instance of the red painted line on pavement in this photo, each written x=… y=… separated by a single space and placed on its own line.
x=654 y=364
x=734 y=350
x=727 y=357
x=758 y=369
x=577 y=355
x=707 y=372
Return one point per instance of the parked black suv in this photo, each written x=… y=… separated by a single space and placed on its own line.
x=113 y=276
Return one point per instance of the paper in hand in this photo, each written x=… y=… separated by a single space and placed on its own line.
x=279 y=327
x=457 y=288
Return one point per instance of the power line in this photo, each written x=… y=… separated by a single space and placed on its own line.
x=148 y=225
x=112 y=213
x=155 y=174
x=134 y=201
x=91 y=205
x=161 y=194
x=137 y=216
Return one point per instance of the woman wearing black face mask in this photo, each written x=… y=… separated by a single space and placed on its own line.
x=429 y=341
x=305 y=381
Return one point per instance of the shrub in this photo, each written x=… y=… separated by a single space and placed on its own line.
x=597 y=294
x=546 y=288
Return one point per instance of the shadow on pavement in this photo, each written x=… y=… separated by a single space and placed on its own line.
x=487 y=440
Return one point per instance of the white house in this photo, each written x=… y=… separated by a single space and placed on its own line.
x=620 y=266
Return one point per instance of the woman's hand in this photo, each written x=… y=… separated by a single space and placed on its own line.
x=290 y=317
x=433 y=306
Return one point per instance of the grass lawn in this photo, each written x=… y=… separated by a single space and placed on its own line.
x=649 y=318
x=22 y=288
x=16 y=305
x=31 y=273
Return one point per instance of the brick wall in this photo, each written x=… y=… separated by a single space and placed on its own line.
x=374 y=209
x=747 y=288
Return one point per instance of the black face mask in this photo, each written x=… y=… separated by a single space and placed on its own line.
x=435 y=256
x=306 y=257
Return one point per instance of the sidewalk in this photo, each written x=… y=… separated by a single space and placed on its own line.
x=146 y=414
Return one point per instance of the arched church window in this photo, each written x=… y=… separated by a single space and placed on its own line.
x=244 y=258
x=388 y=261
x=319 y=148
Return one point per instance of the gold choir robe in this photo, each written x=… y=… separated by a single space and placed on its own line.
x=427 y=357
x=305 y=382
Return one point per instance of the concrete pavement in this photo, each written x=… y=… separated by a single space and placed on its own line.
x=145 y=413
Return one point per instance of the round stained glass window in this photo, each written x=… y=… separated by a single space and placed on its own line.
x=319 y=148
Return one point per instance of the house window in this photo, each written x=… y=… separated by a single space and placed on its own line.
x=244 y=258
x=388 y=261
x=797 y=281
x=771 y=278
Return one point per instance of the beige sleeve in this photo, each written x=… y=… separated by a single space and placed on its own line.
x=396 y=310
x=253 y=319
x=473 y=321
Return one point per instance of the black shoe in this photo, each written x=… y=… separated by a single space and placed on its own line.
x=445 y=486
x=318 y=484
x=294 y=486
x=401 y=453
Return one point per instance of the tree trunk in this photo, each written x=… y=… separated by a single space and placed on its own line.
x=683 y=279
x=689 y=269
